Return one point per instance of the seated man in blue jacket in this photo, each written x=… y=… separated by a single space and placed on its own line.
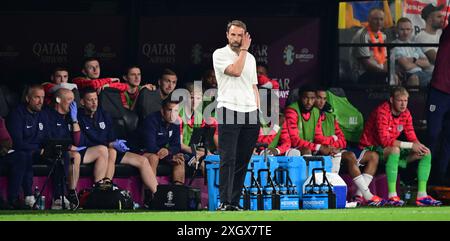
x=160 y=136
x=28 y=127
x=62 y=118
x=97 y=129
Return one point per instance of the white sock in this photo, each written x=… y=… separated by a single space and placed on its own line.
x=421 y=194
x=363 y=187
x=336 y=161
x=392 y=194
x=368 y=178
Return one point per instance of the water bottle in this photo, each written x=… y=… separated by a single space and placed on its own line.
x=41 y=203
x=36 y=192
x=136 y=205
x=283 y=190
x=408 y=194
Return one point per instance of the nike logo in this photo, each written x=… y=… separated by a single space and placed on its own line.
x=160 y=134
x=87 y=127
x=28 y=127
x=57 y=124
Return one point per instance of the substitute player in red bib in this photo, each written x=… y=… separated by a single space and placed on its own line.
x=381 y=132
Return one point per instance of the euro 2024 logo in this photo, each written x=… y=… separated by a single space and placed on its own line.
x=288 y=55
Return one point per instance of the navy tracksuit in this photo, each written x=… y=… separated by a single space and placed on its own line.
x=59 y=128
x=97 y=130
x=156 y=133
x=438 y=120
x=28 y=131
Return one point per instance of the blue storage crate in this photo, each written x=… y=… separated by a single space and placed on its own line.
x=212 y=170
x=297 y=170
x=212 y=174
x=290 y=202
x=317 y=163
x=296 y=166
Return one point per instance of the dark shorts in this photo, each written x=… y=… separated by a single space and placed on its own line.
x=120 y=156
x=82 y=153
x=359 y=153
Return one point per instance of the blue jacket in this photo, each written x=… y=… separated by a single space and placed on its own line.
x=97 y=130
x=28 y=131
x=59 y=125
x=156 y=133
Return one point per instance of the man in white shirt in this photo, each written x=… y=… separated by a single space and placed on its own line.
x=434 y=22
x=237 y=108
x=412 y=62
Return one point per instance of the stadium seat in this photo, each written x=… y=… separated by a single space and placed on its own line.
x=76 y=93
x=147 y=102
x=124 y=121
x=8 y=100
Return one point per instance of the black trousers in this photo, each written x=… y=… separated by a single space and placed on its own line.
x=238 y=133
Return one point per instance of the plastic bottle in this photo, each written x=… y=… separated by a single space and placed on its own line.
x=42 y=203
x=408 y=194
x=136 y=205
x=37 y=192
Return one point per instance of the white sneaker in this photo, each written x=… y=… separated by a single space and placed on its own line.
x=57 y=204
x=29 y=201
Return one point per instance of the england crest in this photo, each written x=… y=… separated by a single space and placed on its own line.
x=432 y=108
x=41 y=126
x=102 y=125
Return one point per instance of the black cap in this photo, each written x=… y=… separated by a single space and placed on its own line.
x=427 y=10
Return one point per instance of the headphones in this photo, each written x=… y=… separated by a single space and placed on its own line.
x=58 y=100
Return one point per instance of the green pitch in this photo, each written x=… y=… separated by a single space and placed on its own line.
x=355 y=214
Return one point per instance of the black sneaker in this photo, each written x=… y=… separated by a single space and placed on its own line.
x=73 y=199
x=223 y=207
x=3 y=203
x=103 y=185
x=17 y=205
x=232 y=207
x=148 y=197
